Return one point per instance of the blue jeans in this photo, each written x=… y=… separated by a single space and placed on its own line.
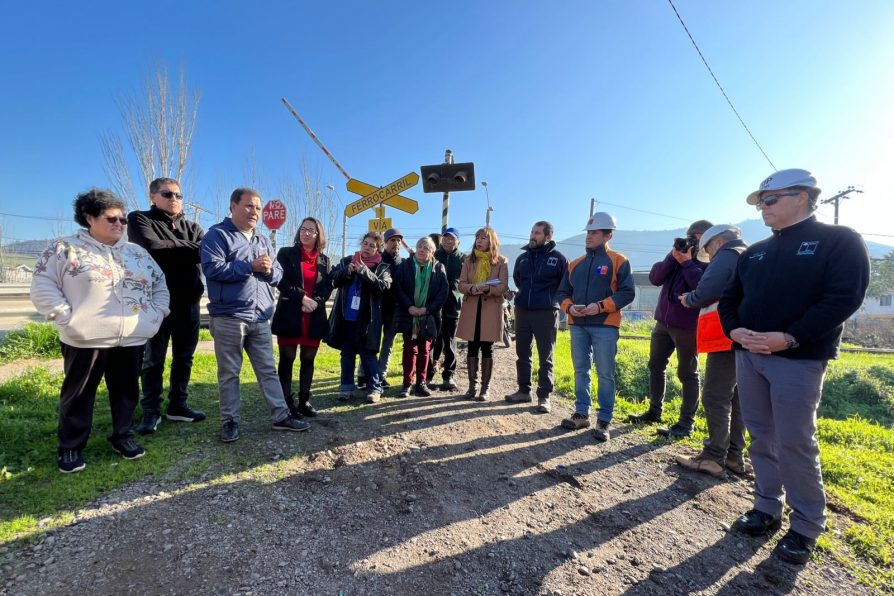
x=602 y=343
x=368 y=361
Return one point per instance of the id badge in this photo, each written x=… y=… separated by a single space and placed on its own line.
x=355 y=303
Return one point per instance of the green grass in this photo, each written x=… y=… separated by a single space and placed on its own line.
x=854 y=431
x=34 y=340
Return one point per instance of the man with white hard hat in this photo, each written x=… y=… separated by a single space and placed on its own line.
x=723 y=449
x=592 y=292
x=785 y=308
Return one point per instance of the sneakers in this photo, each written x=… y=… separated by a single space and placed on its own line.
x=740 y=468
x=543 y=405
x=795 y=548
x=183 y=413
x=519 y=397
x=229 y=432
x=128 y=449
x=422 y=390
x=648 y=417
x=448 y=385
x=149 y=424
x=601 y=431
x=677 y=431
x=291 y=424
x=757 y=523
x=701 y=463
x=576 y=422
x=385 y=383
x=70 y=460
x=405 y=392
x=344 y=396
x=374 y=397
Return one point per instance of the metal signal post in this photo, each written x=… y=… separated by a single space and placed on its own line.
x=837 y=199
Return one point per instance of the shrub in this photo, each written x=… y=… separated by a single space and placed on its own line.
x=34 y=340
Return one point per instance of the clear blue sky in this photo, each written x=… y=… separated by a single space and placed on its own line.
x=554 y=102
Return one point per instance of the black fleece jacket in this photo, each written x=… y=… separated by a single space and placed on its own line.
x=804 y=280
x=174 y=244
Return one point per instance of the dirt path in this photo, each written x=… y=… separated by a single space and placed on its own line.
x=421 y=496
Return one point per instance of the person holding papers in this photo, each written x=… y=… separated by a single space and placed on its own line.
x=483 y=280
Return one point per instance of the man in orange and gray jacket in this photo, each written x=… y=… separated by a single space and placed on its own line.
x=723 y=449
x=593 y=292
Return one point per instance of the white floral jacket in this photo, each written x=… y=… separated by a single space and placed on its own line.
x=100 y=295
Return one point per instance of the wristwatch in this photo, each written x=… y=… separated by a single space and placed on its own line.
x=790 y=342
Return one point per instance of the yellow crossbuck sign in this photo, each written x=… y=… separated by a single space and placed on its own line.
x=388 y=194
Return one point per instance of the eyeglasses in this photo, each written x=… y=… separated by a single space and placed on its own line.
x=771 y=200
x=170 y=194
x=113 y=220
x=308 y=231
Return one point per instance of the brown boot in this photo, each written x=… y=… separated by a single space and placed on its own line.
x=487 y=367
x=472 y=367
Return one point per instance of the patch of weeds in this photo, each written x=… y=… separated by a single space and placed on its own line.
x=34 y=340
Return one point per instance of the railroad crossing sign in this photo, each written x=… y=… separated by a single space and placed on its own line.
x=380 y=223
x=388 y=194
x=274 y=214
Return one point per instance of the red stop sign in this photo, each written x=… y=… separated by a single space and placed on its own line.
x=274 y=214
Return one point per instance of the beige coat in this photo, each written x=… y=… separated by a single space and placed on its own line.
x=491 y=303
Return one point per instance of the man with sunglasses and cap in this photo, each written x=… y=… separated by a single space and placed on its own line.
x=679 y=272
x=173 y=241
x=785 y=308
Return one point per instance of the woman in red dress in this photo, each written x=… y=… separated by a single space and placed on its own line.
x=299 y=321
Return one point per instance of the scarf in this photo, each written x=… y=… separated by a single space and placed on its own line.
x=420 y=293
x=371 y=262
x=482 y=267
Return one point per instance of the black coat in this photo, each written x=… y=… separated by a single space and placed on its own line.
x=405 y=289
x=288 y=317
x=369 y=328
x=174 y=244
x=453 y=265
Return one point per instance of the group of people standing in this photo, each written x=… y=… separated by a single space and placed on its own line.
x=768 y=316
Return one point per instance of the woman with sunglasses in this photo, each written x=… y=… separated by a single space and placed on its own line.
x=355 y=323
x=299 y=321
x=107 y=298
x=483 y=280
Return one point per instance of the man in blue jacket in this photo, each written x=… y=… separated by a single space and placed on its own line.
x=537 y=274
x=241 y=270
x=785 y=308
x=674 y=330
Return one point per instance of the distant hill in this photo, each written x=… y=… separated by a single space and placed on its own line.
x=646 y=247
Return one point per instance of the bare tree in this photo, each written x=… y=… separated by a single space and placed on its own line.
x=158 y=125
x=308 y=197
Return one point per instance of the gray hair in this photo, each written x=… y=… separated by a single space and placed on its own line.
x=427 y=241
x=156 y=184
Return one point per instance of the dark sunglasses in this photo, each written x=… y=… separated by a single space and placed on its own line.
x=113 y=220
x=170 y=194
x=771 y=200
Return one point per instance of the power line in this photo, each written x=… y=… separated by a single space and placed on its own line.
x=600 y=201
x=719 y=86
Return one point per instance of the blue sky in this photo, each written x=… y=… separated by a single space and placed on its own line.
x=554 y=102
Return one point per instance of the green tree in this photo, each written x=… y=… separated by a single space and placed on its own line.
x=881 y=279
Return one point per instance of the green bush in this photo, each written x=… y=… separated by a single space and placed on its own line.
x=851 y=388
x=34 y=340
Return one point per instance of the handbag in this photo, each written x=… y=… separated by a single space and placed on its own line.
x=428 y=328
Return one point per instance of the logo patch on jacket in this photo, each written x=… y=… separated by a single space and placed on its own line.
x=552 y=261
x=808 y=248
x=758 y=255
x=602 y=270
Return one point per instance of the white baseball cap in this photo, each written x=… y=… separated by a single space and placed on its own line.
x=781 y=180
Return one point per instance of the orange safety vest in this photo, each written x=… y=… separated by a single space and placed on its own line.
x=710 y=337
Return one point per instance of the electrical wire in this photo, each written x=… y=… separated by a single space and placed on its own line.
x=719 y=86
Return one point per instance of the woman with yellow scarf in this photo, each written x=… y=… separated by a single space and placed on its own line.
x=483 y=281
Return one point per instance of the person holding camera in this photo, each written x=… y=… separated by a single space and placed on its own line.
x=675 y=329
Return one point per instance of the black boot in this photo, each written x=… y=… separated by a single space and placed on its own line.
x=293 y=409
x=304 y=405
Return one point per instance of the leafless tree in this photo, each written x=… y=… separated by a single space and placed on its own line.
x=158 y=125
x=308 y=197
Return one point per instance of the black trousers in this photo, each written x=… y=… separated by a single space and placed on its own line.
x=181 y=329
x=444 y=344
x=664 y=341
x=84 y=369
x=539 y=326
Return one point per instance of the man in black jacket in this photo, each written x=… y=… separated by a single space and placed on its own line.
x=451 y=257
x=537 y=274
x=173 y=242
x=784 y=309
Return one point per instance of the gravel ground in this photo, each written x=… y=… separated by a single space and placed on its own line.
x=421 y=496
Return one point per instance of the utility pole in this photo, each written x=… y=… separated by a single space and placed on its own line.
x=445 y=203
x=489 y=208
x=195 y=211
x=842 y=194
x=592 y=205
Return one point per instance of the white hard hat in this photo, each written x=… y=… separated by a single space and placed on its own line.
x=601 y=221
x=715 y=231
x=781 y=180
